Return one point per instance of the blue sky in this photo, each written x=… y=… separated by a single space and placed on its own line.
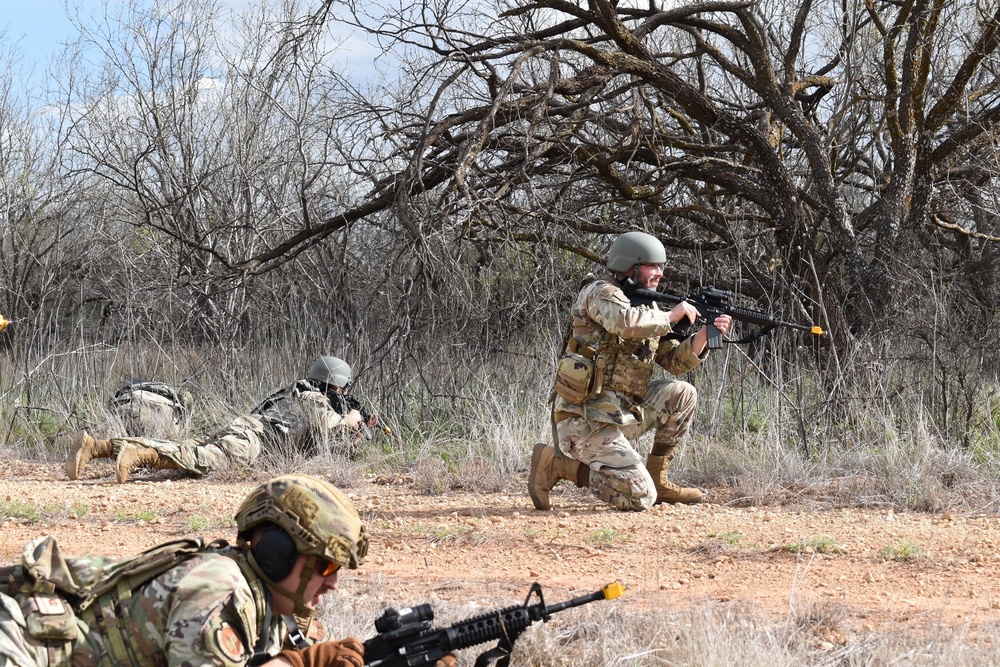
x=39 y=26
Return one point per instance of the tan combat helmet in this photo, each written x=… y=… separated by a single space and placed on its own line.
x=331 y=370
x=633 y=248
x=321 y=521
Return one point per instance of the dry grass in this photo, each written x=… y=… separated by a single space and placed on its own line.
x=747 y=451
x=715 y=635
x=751 y=442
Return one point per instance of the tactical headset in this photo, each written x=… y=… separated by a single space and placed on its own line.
x=275 y=553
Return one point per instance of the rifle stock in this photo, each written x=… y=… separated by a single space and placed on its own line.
x=407 y=637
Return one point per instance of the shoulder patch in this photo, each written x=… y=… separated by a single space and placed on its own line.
x=229 y=642
x=610 y=291
x=317 y=631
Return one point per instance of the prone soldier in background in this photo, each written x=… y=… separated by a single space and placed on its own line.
x=605 y=397
x=299 y=413
x=330 y=377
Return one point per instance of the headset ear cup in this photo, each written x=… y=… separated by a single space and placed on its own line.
x=275 y=553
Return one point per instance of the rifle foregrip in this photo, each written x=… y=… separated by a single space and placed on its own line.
x=750 y=316
x=491 y=626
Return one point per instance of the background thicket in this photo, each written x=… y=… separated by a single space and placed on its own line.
x=213 y=198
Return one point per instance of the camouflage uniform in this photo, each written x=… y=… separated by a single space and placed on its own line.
x=599 y=431
x=208 y=610
x=184 y=603
x=299 y=411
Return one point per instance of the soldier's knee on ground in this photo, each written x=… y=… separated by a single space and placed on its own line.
x=623 y=497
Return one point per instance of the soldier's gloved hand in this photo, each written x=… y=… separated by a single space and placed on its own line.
x=344 y=653
x=447 y=660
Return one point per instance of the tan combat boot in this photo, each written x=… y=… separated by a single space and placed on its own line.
x=132 y=456
x=86 y=448
x=667 y=491
x=547 y=469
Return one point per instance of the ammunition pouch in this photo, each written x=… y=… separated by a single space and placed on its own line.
x=576 y=376
x=49 y=618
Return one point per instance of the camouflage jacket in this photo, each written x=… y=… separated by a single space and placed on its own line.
x=202 y=612
x=296 y=409
x=601 y=310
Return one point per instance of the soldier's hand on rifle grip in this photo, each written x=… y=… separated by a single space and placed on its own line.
x=353 y=419
x=344 y=653
x=683 y=311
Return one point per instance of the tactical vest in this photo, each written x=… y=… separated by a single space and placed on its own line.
x=281 y=411
x=625 y=365
x=54 y=592
x=620 y=365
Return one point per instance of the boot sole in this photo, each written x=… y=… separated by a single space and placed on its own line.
x=73 y=465
x=538 y=502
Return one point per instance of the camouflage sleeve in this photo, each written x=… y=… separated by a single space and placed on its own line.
x=321 y=413
x=677 y=357
x=213 y=618
x=607 y=305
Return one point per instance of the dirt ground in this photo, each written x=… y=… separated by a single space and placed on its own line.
x=465 y=546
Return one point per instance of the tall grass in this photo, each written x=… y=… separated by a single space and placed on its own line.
x=766 y=430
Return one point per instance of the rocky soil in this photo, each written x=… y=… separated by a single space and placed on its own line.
x=885 y=570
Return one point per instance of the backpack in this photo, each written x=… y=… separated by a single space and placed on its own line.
x=55 y=591
x=149 y=408
x=281 y=411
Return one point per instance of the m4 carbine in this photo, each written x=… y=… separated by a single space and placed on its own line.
x=407 y=638
x=711 y=303
x=343 y=403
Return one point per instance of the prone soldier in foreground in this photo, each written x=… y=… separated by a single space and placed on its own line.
x=299 y=414
x=605 y=395
x=194 y=604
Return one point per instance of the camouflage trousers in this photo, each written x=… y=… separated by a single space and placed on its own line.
x=237 y=446
x=618 y=472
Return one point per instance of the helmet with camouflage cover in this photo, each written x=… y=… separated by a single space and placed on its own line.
x=331 y=370
x=633 y=248
x=321 y=522
x=319 y=518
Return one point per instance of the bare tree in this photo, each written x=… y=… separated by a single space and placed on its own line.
x=773 y=146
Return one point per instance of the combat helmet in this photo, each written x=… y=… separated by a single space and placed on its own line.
x=633 y=248
x=320 y=520
x=331 y=370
